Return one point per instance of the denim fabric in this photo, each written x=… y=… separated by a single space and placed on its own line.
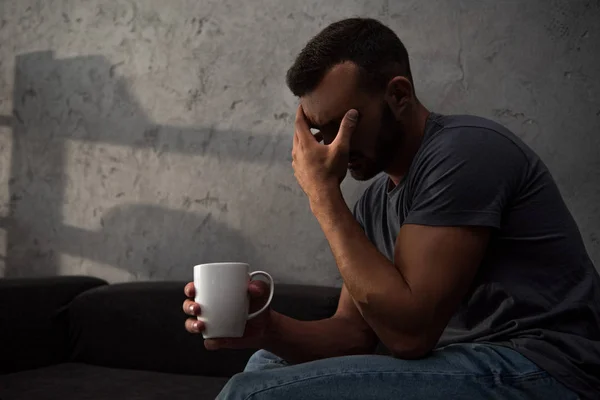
x=458 y=371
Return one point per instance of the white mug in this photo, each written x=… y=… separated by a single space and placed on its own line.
x=222 y=293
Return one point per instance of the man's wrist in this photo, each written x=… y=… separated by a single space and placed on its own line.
x=271 y=331
x=325 y=200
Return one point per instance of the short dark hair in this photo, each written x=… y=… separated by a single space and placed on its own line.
x=366 y=42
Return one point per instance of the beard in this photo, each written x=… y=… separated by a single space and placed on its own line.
x=389 y=139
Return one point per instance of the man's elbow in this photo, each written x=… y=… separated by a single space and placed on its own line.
x=412 y=348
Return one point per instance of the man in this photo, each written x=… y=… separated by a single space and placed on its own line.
x=461 y=262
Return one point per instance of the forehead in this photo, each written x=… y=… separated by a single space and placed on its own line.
x=336 y=94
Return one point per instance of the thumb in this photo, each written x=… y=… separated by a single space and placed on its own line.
x=346 y=129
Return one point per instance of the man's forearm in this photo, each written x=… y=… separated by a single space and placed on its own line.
x=378 y=287
x=302 y=341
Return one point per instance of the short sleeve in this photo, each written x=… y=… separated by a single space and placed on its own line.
x=465 y=176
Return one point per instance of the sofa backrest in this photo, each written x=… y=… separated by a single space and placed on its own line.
x=34 y=319
x=141 y=326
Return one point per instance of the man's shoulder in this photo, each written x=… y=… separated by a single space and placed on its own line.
x=457 y=121
x=465 y=134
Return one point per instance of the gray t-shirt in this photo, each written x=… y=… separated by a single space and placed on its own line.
x=536 y=289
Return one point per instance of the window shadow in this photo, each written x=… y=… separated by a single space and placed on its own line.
x=80 y=99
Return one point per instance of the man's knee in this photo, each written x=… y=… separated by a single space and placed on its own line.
x=238 y=387
x=262 y=360
x=242 y=385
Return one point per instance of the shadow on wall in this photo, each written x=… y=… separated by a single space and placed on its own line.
x=57 y=101
x=141 y=240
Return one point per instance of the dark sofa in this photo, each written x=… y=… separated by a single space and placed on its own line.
x=80 y=338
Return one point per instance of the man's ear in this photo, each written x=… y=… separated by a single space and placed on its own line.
x=399 y=95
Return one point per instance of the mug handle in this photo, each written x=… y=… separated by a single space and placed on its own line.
x=271 y=291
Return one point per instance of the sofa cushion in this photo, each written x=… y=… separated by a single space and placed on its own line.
x=34 y=319
x=141 y=326
x=87 y=382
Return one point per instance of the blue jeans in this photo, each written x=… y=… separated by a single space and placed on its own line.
x=458 y=371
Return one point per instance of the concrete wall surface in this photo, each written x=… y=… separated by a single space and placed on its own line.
x=139 y=138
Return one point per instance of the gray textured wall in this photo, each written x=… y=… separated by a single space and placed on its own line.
x=137 y=139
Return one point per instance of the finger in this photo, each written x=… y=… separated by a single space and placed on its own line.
x=295 y=139
x=225 y=343
x=221 y=343
x=191 y=308
x=189 y=290
x=258 y=289
x=192 y=325
x=295 y=147
x=302 y=131
x=212 y=344
x=347 y=127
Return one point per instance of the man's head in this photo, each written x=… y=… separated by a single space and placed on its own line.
x=357 y=63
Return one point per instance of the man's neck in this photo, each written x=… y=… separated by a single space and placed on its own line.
x=414 y=130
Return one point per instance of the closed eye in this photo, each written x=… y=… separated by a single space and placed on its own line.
x=327 y=132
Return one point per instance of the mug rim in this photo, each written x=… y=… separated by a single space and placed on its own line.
x=222 y=264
